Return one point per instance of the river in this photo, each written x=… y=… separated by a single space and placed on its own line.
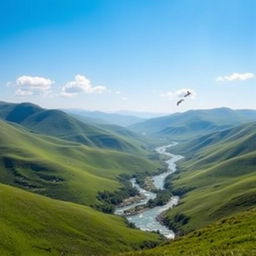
x=147 y=220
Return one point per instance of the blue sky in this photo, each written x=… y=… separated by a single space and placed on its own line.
x=128 y=54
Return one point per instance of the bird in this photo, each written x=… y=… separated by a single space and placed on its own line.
x=187 y=94
x=179 y=102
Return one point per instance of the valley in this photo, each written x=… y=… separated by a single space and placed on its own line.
x=146 y=218
x=127 y=128
x=56 y=187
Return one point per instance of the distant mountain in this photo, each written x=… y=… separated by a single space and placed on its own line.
x=217 y=177
x=143 y=115
x=181 y=126
x=59 y=124
x=133 y=137
x=103 y=117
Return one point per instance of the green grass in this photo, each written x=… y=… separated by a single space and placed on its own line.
x=31 y=225
x=220 y=178
x=187 y=125
x=59 y=124
x=62 y=169
x=233 y=236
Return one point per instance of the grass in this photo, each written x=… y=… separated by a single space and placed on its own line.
x=62 y=169
x=187 y=125
x=31 y=225
x=219 y=178
x=233 y=236
x=59 y=124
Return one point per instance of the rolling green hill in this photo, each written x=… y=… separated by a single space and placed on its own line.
x=187 y=125
x=31 y=225
x=233 y=236
x=218 y=178
x=133 y=137
x=243 y=132
x=59 y=124
x=62 y=169
x=136 y=139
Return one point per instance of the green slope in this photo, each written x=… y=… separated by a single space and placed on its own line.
x=234 y=236
x=245 y=132
x=31 y=225
x=218 y=179
x=133 y=137
x=62 y=169
x=183 y=126
x=140 y=140
x=59 y=124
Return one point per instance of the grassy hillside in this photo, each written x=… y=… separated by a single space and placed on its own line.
x=183 y=126
x=217 y=180
x=62 y=169
x=140 y=140
x=233 y=236
x=59 y=124
x=31 y=225
x=133 y=137
x=245 y=132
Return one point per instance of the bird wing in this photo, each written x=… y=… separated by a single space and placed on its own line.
x=178 y=103
x=188 y=93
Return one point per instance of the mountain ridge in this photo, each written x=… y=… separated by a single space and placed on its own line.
x=59 y=124
x=186 y=125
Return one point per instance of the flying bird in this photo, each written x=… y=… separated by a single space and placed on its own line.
x=187 y=94
x=179 y=102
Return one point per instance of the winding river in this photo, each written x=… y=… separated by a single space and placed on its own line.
x=147 y=220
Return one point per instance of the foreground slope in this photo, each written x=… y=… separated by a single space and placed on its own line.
x=59 y=124
x=31 y=225
x=217 y=179
x=233 y=236
x=183 y=126
x=62 y=169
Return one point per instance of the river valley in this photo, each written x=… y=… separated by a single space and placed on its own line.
x=147 y=219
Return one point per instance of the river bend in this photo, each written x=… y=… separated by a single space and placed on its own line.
x=147 y=220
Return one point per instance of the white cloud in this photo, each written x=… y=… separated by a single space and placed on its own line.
x=33 y=85
x=81 y=84
x=235 y=76
x=179 y=93
x=124 y=98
